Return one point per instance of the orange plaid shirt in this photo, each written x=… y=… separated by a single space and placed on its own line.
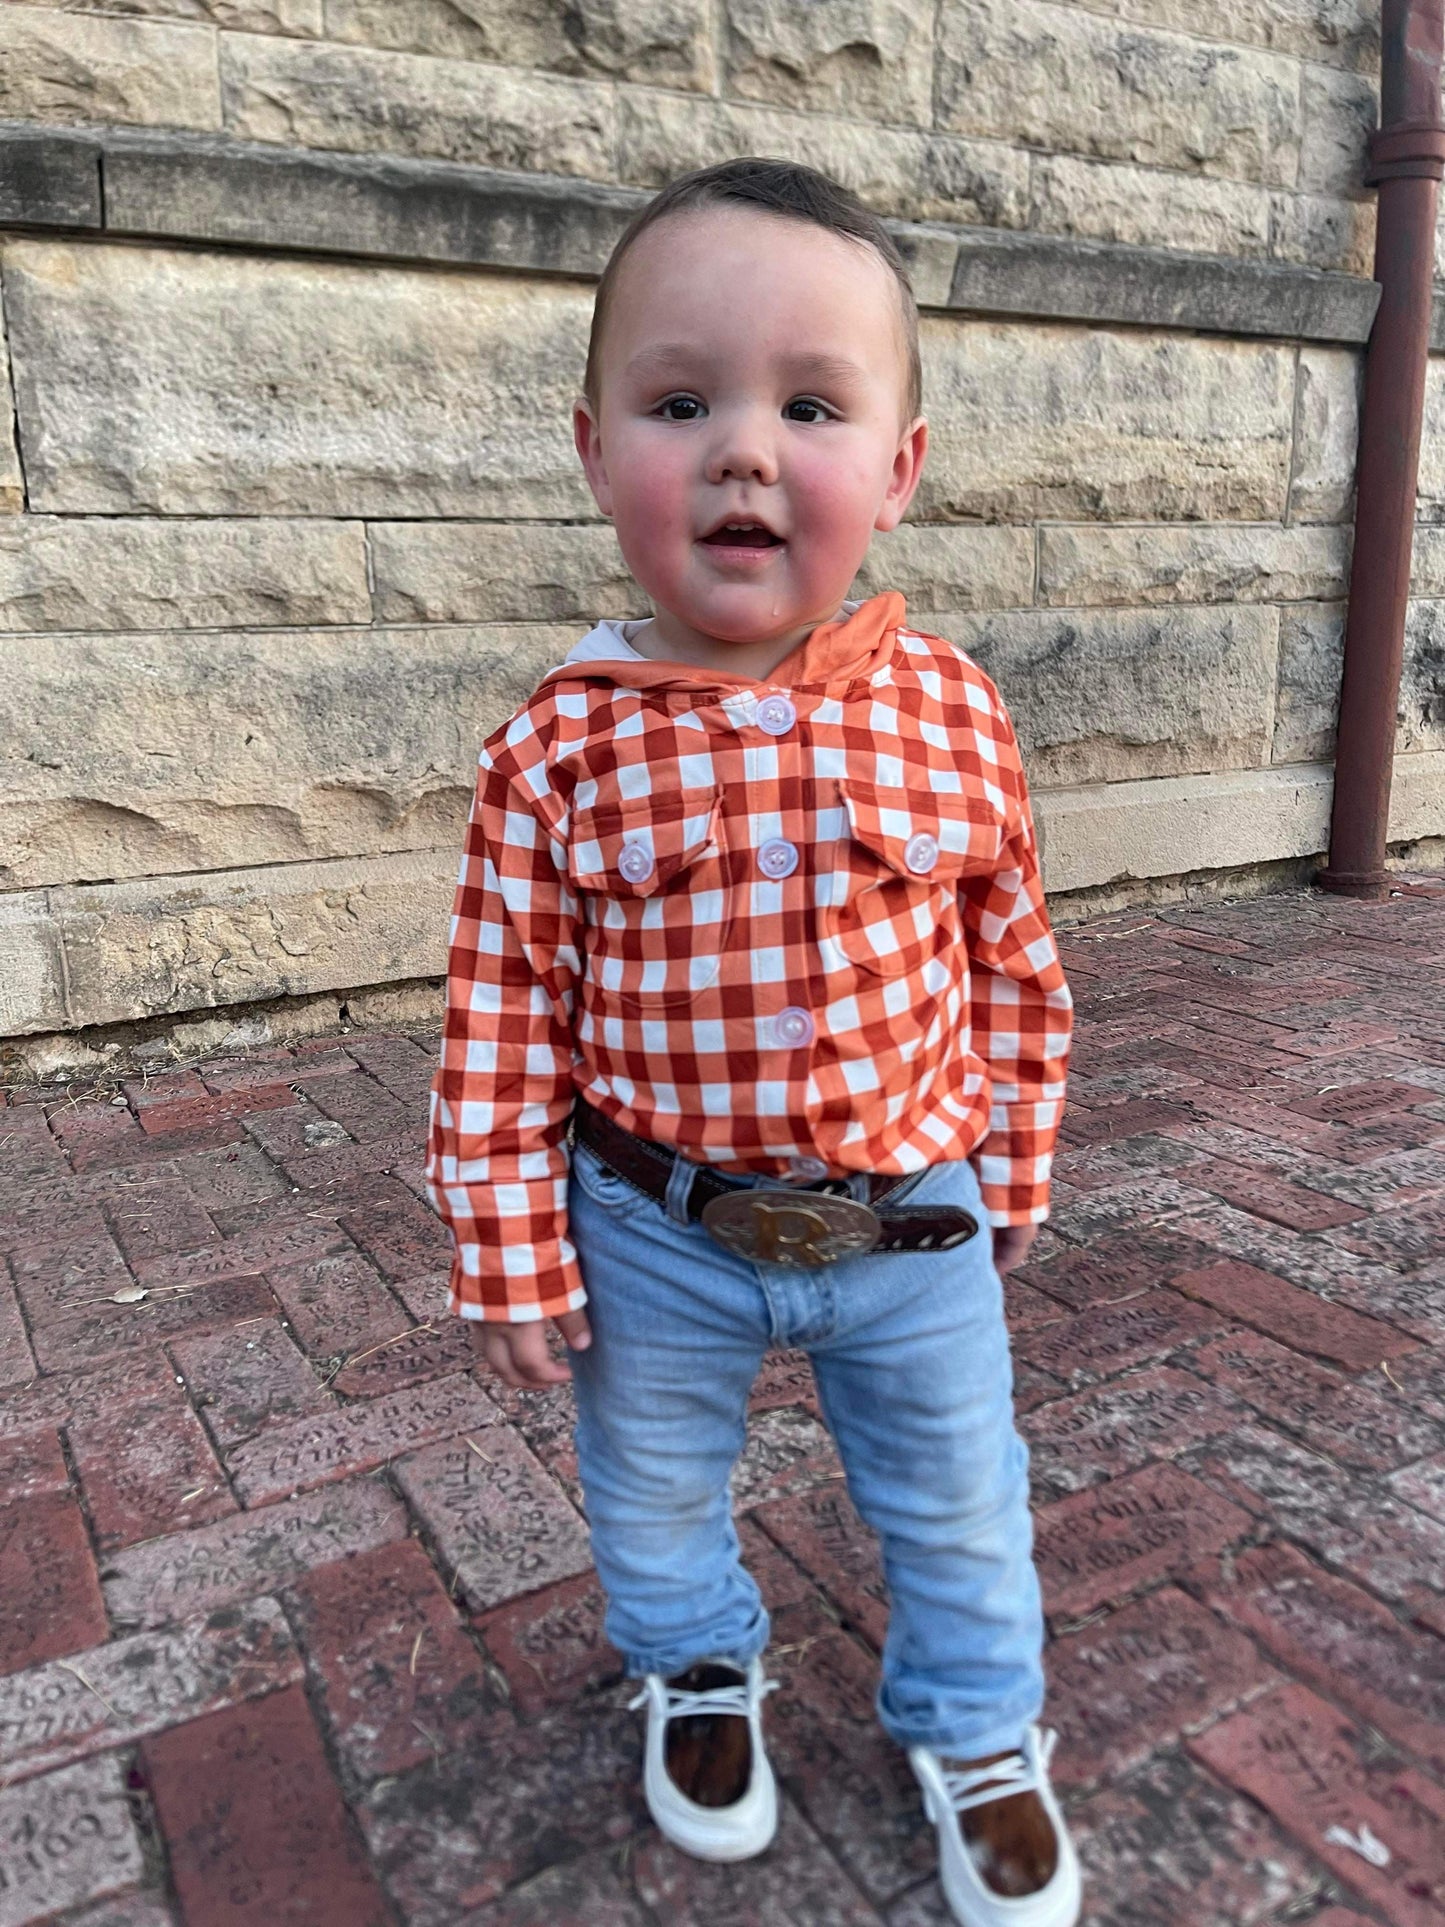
x=792 y=927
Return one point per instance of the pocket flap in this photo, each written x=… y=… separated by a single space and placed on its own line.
x=634 y=848
x=925 y=833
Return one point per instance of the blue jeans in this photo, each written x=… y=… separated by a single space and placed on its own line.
x=911 y=1360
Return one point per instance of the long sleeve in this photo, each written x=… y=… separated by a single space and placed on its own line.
x=1022 y=1012
x=497 y=1155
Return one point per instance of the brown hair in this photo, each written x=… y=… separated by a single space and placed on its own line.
x=773 y=187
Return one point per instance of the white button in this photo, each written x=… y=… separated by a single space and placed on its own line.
x=777 y=857
x=920 y=852
x=808 y=1169
x=793 y=1027
x=636 y=862
x=776 y=715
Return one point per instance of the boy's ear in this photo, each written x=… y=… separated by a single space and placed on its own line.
x=588 y=438
x=907 y=469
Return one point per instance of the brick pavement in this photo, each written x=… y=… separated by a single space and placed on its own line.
x=296 y=1616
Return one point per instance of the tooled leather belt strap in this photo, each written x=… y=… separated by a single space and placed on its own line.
x=805 y=1224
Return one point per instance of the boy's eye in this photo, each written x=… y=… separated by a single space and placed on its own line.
x=690 y=406
x=820 y=410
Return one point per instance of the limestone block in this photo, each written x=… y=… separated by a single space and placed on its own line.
x=666 y=42
x=134 y=755
x=1427 y=563
x=951 y=567
x=32 y=975
x=1034 y=421
x=249 y=16
x=1175 y=825
x=1326 y=435
x=12 y=482
x=1149 y=206
x=501 y=572
x=918 y=176
x=870 y=59
x=1338 y=113
x=1344 y=33
x=61 y=66
x=1430 y=505
x=1107 y=695
x=1323 y=231
x=133 y=572
x=1192 y=562
x=183 y=383
x=1063 y=79
x=1417 y=796
x=307 y=95
x=139 y=949
x=1311 y=658
x=1310 y=646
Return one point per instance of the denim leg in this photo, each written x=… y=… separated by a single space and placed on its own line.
x=678 y=1332
x=916 y=1385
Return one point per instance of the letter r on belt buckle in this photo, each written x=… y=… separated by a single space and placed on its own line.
x=786 y=1228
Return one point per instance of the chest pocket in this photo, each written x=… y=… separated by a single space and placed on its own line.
x=649 y=873
x=895 y=896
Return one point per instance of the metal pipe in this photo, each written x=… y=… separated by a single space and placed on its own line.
x=1406 y=160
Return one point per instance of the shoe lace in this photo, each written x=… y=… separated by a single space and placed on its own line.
x=737 y=1699
x=1020 y=1772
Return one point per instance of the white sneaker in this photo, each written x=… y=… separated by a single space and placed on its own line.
x=733 y=1832
x=948 y=1792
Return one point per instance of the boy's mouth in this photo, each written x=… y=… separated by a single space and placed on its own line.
x=743 y=534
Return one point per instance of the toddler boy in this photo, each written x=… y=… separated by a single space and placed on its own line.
x=756 y=1029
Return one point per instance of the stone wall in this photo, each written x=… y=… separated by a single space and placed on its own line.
x=295 y=295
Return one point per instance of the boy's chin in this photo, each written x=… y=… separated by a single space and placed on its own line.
x=750 y=613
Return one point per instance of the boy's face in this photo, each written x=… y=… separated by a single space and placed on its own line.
x=752 y=370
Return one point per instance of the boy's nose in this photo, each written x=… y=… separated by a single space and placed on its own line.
x=742 y=451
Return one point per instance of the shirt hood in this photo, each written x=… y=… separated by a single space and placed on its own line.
x=852 y=646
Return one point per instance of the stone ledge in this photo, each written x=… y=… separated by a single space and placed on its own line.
x=1167 y=826
x=206 y=189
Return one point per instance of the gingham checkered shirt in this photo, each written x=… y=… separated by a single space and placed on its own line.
x=760 y=923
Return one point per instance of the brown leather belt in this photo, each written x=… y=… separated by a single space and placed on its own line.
x=804 y=1224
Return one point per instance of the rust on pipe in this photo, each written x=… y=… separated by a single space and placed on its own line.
x=1406 y=161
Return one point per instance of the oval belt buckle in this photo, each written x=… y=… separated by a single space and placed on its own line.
x=792 y=1228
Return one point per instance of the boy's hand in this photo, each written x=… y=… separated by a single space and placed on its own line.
x=1011 y=1245
x=518 y=1354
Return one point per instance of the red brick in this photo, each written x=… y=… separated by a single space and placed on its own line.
x=796 y=1880
x=59 y=1278
x=1353 y=1523
x=1423 y=1485
x=365 y=1109
x=403 y=1067
x=147 y=1093
x=451 y=1838
x=1110 y=1338
x=131 y=1687
x=293 y=1132
x=852 y=1783
x=27 y=1145
x=206 y=1108
x=342 y=1163
x=786 y=1451
x=1026 y=1308
x=1102 y=1545
x=1125 y=1120
x=248 y=1378
x=1095 y=1435
x=408 y=1358
x=52 y=1400
x=155 y=1213
x=400 y=1680
x=499 y=1521
x=145 y=1470
x=130 y=1910
x=822 y=1531
x=1341 y=1641
x=402 y=1240
x=336 y=1306
x=1266 y=1196
x=249 y=1553
x=50 y=1599
x=1351 y=1421
x=593 y=1891
x=31 y=1465
x=109 y=1328
x=17 y=1361
x=1339 y=1917
x=1310 y=1767
x=283 y=1238
x=550 y=1644
x=1351 y=1103
x=1379 y=1136
x=94 y=1134
x=332 y=1445
x=1143 y=1205
x=1171 y=1847
x=1297 y=1317
x=255 y=1823
x=1139 y=1678
x=66 y=1839
x=232 y=1174
x=1408 y=1236
x=785 y=1379
x=1256 y=1112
